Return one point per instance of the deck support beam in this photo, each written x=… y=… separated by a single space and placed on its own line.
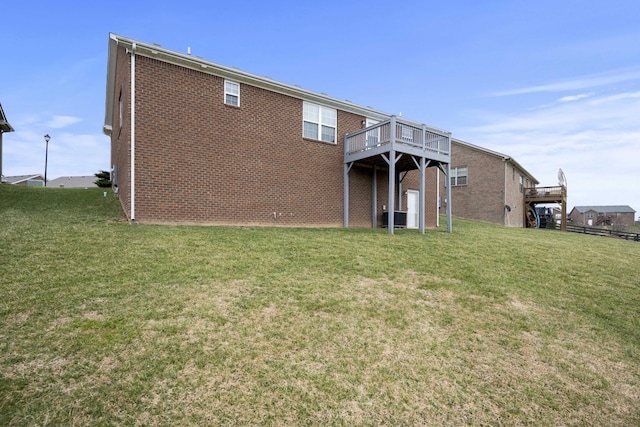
x=391 y=209
x=448 y=186
x=374 y=198
x=347 y=168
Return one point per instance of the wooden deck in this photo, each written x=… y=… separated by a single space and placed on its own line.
x=542 y=195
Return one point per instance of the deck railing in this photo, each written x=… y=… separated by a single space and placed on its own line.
x=627 y=235
x=545 y=192
x=406 y=133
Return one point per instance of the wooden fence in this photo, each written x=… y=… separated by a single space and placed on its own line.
x=603 y=232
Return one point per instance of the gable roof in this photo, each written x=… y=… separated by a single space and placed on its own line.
x=504 y=157
x=4 y=124
x=606 y=209
x=197 y=63
x=17 y=179
x=73 y=181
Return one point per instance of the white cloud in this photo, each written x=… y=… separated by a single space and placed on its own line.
x=69 y=154
x=595 y=142
x=59 y=122
x=579 y=82
x=571 y=98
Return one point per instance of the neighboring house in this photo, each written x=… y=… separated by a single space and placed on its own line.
x=73 y=182
x=197 y=142
x=602 y=215
x=4 y=128
x=486 y=185
x=25 y=180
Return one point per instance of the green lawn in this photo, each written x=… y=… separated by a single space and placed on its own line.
x=106 y=323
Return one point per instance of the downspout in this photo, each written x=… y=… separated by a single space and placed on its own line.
x=133 y=132
x=438 y=202
x=504 y=190
x=449 y=210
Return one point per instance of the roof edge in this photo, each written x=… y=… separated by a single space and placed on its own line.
x=197 y=63
x=4 y=124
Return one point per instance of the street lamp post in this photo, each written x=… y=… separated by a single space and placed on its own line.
x=46 y=155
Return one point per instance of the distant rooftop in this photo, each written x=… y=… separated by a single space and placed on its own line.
x=17 y=179
x=606 y=209
x=73 y=182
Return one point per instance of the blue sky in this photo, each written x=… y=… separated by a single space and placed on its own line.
x=555 y=84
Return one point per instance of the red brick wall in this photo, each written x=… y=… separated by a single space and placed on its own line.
x=483 y=197
x=121 y=137
x=201 y=161
x=515 y=197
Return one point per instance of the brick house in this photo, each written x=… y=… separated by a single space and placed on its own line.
x=486 y=185
x=34 y=180
x=86 y=181
x=5 y=127
x=194 y=142
x=602 y=215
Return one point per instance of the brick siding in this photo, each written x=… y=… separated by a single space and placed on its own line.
x=200 y=161
x=492 y=182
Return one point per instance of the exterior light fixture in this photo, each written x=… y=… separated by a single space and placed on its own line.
x=46 y=155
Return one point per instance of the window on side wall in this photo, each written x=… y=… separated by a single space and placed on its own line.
x=521 y=183
x=319 y=122
x=458 y=176
x=232 y=93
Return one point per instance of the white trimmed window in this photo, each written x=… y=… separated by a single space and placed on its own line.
x=458 y=176
x=232 y=93
x=521 y=184
x=319 y=122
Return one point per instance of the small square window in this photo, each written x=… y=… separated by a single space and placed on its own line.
x=232 y=93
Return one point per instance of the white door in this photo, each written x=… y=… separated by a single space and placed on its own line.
x=412 y=208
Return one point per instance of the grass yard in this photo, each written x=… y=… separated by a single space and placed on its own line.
x=105 y=323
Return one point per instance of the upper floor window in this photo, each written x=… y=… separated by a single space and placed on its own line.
x=458 y=176
x=521 y=183
x=319 y=122
x=232 y=93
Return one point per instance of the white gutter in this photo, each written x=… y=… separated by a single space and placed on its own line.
x=133 y=132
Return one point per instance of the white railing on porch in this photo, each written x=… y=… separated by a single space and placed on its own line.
x=406 y=133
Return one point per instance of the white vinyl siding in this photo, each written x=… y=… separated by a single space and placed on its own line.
x=232 y=93
x=319 y=122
